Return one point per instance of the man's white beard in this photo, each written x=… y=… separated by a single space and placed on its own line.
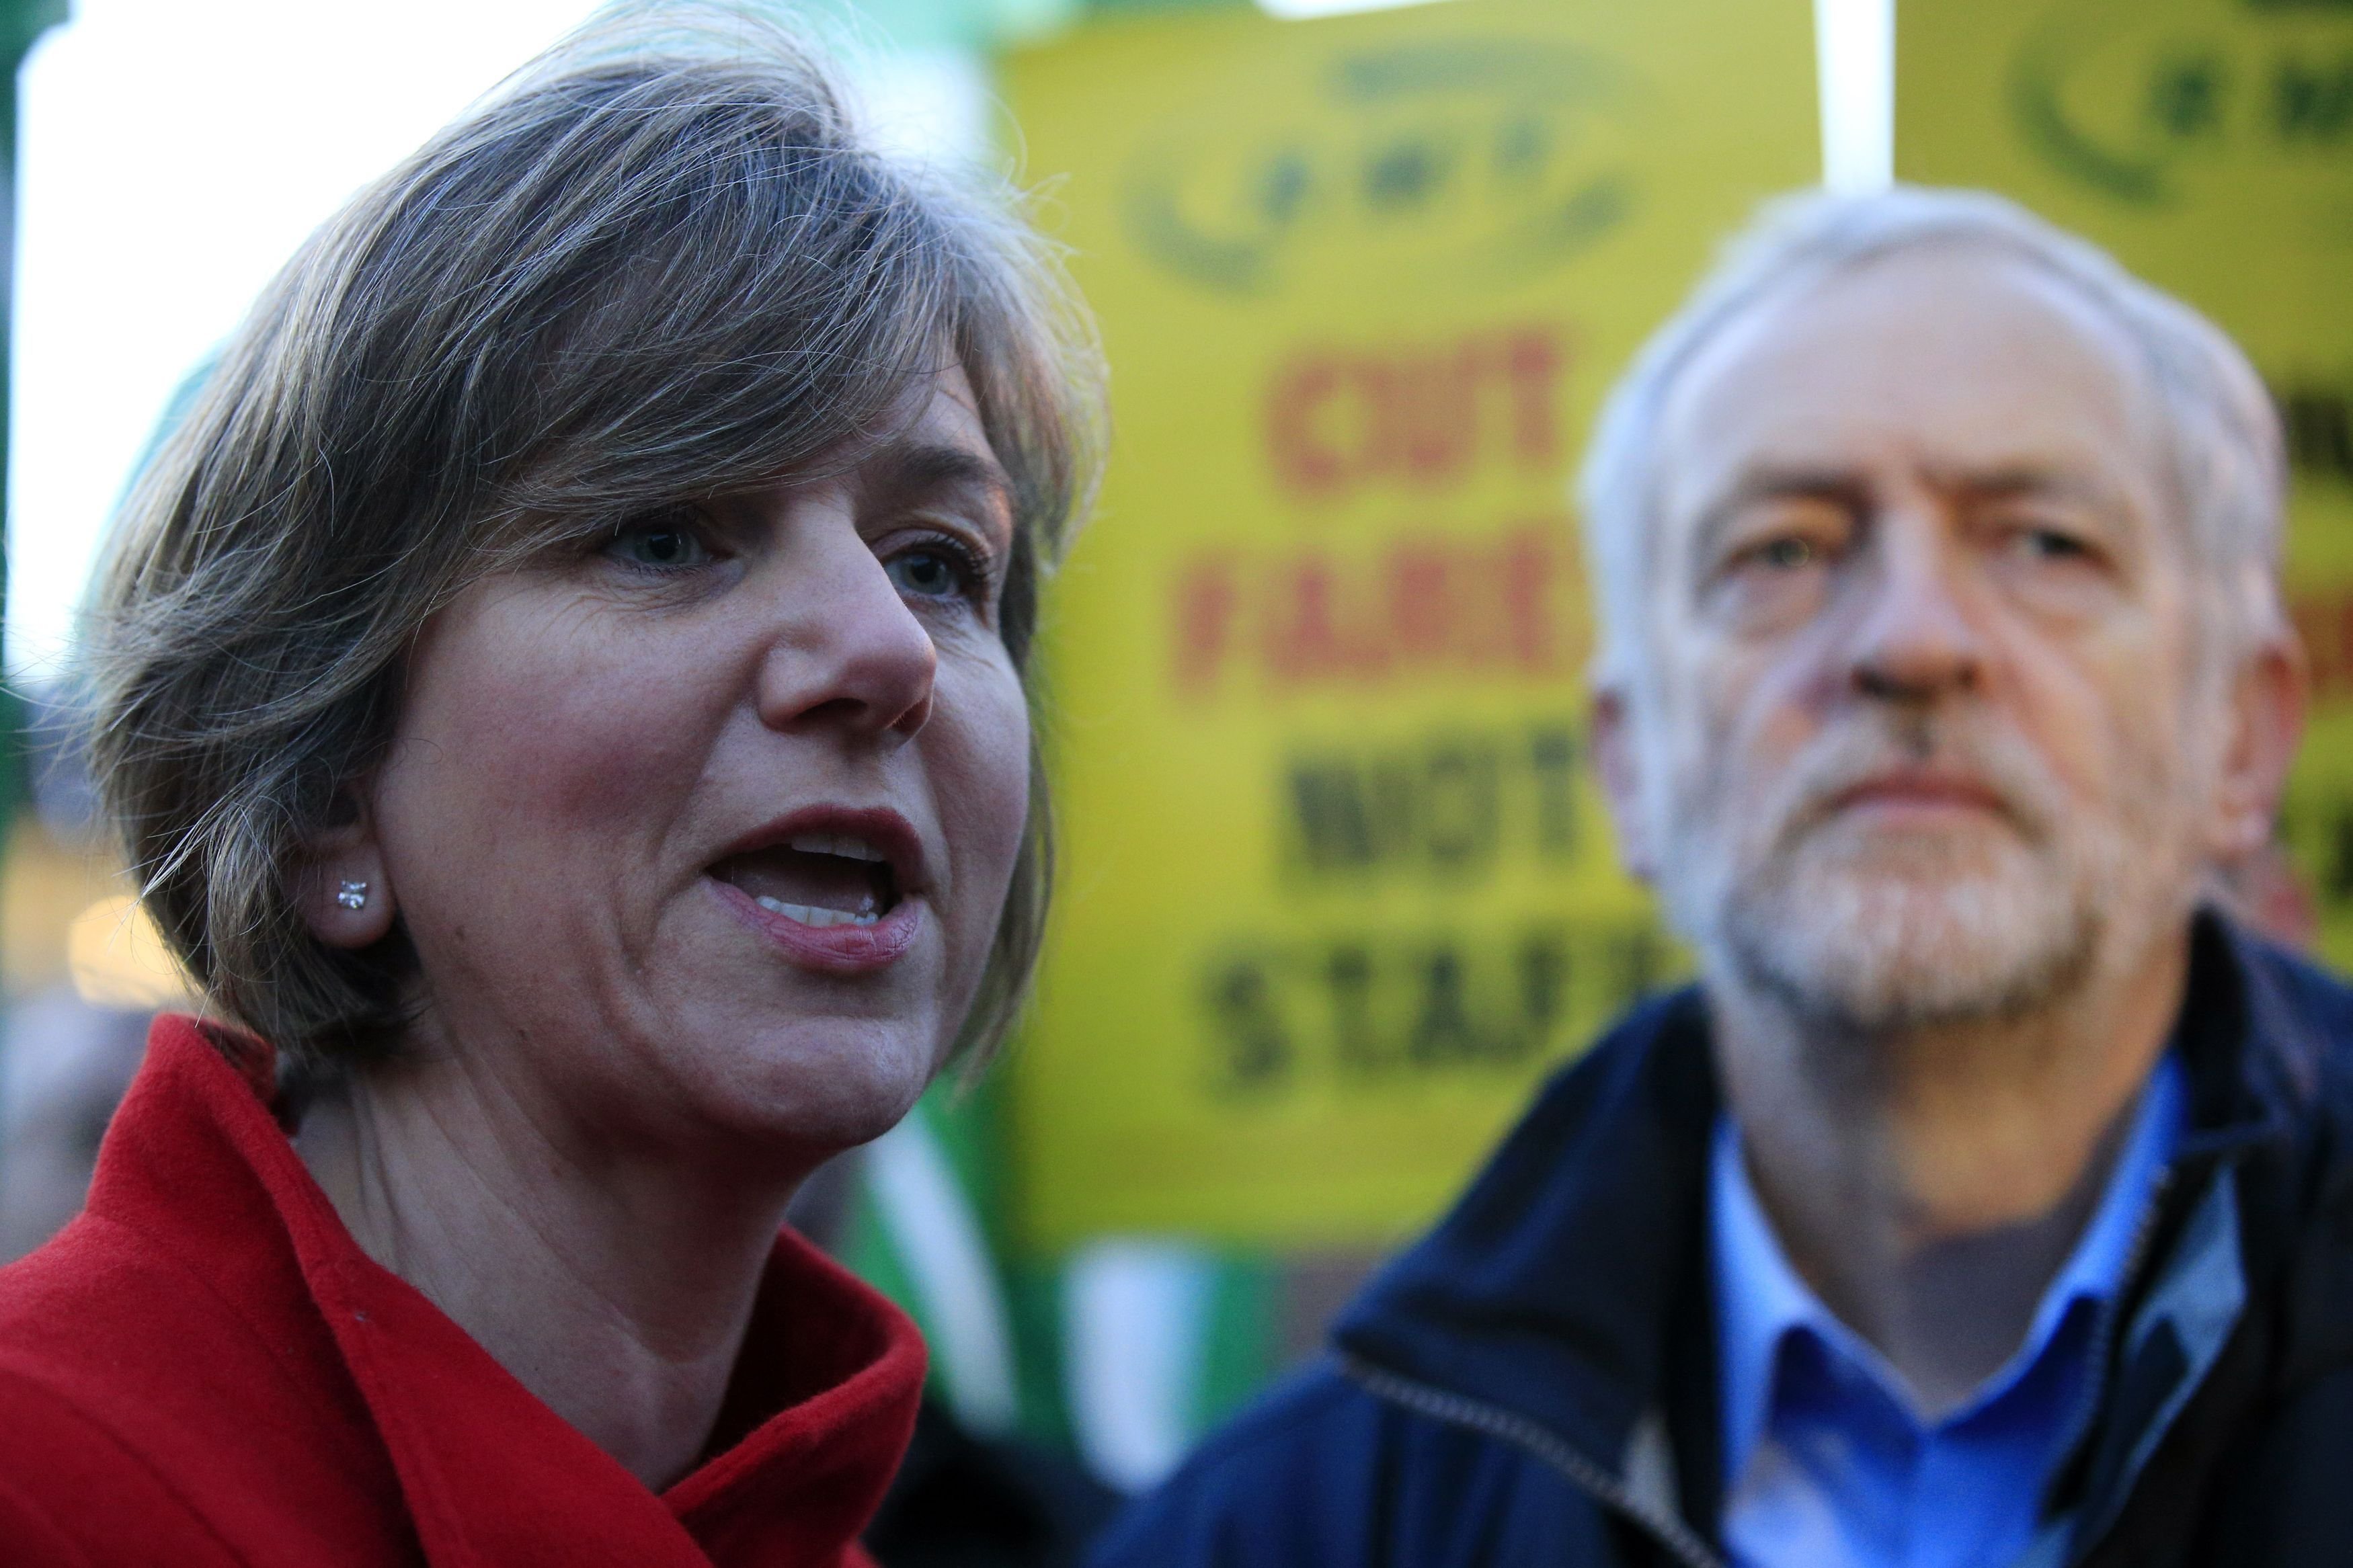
x=1869 y=930
x=1935 y=932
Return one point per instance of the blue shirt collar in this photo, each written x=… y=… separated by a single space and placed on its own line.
x=1761 y=1303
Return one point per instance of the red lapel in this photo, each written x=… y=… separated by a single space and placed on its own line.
x=828 y=1381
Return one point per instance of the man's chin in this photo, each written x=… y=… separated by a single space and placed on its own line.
x=1952 y=845
x=1874 y=952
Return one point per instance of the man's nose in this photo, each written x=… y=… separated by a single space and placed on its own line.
x=848 y=652
x=1917 y=637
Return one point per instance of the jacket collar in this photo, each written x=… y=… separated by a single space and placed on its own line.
x=1548 y=1290
x=1568 y=1287
x=826 y=1389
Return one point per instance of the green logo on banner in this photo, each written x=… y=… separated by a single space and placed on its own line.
x=1471 y=159
x=2134 y=100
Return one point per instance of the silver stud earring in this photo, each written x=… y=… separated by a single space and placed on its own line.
x=352 y=895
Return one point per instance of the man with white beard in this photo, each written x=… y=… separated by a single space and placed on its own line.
x=1989 y=1197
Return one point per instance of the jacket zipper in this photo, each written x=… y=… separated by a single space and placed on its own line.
x=2103 y=1332
x=2098 y=1387
x=1494 y=1421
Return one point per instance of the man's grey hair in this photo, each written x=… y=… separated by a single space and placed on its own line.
x=2218 y=428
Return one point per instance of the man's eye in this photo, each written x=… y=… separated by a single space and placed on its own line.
x=929 y=574
x=1787 y=553
x=663 y=547
x=2051 y=544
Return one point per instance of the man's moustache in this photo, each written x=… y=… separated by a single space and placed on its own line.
x=1853 y=756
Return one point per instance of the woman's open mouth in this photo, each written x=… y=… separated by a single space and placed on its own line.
x=821 y=879
x=839 y=890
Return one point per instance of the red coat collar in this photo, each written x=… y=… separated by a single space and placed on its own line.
x=829 y=1382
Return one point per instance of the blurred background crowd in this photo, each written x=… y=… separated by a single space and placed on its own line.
x=1336 y=890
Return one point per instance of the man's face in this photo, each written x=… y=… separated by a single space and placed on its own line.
x=1926 y=732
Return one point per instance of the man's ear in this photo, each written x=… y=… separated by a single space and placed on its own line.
x=1616 y=759
x=2266 y=699
x=340 y=885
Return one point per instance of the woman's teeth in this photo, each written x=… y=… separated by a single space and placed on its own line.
x=841 y=844
x=811 y=915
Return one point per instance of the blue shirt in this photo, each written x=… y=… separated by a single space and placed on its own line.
x=1827 y=1463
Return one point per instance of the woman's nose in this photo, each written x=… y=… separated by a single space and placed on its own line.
x=1916 y=638
x=848 y=652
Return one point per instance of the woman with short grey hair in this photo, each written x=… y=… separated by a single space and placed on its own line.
x=562 y=692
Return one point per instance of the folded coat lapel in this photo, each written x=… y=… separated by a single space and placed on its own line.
x=829 y=1382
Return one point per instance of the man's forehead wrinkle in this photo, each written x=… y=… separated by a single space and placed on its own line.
x=1806 y=285
x=2058 y=478
x=1865 y=409
x=1816 y=304
x=1771 y=479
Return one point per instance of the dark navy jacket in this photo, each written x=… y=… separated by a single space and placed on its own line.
x=1533 y=1384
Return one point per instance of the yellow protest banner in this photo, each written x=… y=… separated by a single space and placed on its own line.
x=2209 y=143
x=1336 y=891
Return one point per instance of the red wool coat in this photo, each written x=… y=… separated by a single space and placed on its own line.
x=205 y=1368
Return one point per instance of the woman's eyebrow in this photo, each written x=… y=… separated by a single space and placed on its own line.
x=928 y=467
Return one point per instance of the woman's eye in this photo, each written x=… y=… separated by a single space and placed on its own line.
x=929 y=574
x=662 y=547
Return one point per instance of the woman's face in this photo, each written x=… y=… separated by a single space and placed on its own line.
x=708 y=830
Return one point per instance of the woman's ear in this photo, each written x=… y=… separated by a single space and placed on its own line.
x=341 y=887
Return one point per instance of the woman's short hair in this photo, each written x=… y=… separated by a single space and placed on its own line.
x=2228 y=478
x=659 y=264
